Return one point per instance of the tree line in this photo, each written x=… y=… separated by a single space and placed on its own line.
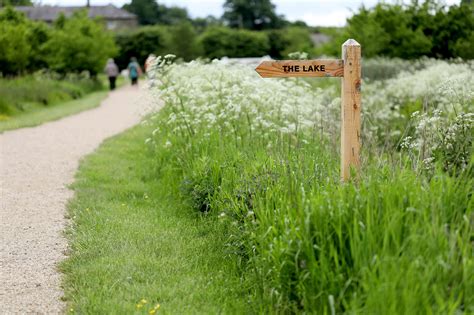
x=409 y=31
x=253 y=28
x=243 y=14
x=248 y=28
x=73 y=44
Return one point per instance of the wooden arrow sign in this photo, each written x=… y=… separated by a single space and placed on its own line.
x=301 y=68
x=349 y=68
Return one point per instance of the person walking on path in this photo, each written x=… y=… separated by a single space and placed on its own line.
x=112 y=72
x=149 y=62
x=134 y=71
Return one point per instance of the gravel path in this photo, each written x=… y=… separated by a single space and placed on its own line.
x=36 y=165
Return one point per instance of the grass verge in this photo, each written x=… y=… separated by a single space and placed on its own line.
x=43 y=114
x=262 y=156
x=132 y=239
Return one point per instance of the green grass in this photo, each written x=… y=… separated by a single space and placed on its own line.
x=133 y=238
x=397 y=242
x=290 y=236
x=40 y=114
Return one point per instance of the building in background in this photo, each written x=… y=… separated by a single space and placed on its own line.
x=114 y=18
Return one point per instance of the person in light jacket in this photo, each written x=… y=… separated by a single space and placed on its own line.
x=112 y=72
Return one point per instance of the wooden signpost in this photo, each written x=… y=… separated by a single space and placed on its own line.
x=349 y=69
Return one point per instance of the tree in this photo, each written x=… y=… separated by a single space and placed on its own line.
x=368 y=31
x=278 y=42
x=251 y=14
x=150 y=12
x=142 y=42
x=39 y=35
x=391 y=30
x=15 y=47
x=172 y=15
x=298 y=40
x=79 y=44
x=15 y=3
x=147 y=11
x=202 y=23
x=453 y=32
x=184 y=41
x=414 y=30
x=218 y=42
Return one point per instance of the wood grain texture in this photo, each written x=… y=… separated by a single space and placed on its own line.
x=350 y=108
x=276 y=69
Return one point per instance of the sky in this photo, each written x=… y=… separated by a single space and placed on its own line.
x=313 y=12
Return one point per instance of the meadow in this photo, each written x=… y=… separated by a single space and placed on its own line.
x=258 y=160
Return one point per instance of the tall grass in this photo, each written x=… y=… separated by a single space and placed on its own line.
x=23 y=94
x=262 y=156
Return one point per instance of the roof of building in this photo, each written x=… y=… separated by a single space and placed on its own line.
x=51 y=13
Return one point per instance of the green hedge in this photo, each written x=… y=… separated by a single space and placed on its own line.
x=410 y=31
x=25 y=93
x=73 y=44
x=215 y=42
x=140 y=43
x=219 y=42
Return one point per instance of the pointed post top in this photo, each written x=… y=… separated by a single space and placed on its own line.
x=351 y=42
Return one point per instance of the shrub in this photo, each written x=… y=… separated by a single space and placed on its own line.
x=40 y=33
x=184 y=42
x=284 y=41
x=42 y=89
x=413 y=30
x=297 y=39
x=142 y=42
x=218 y=42
x=79 y=44
x=15 y=47
x=73 y=45
x=278 y=42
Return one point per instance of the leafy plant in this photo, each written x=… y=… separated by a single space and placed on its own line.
x=79 y=44
x=260 y=156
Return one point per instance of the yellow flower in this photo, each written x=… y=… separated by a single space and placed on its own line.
x=153 y=311
x=141 y=303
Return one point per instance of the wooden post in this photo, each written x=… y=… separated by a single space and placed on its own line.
x=350 y=108
x=349 y=68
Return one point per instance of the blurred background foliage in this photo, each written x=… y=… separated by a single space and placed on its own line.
x=410 y=31
x=396 y=30
x=393 y=37
x=246 y=29
x=71 y=45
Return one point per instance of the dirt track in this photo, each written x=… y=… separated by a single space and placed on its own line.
x=36 y=165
